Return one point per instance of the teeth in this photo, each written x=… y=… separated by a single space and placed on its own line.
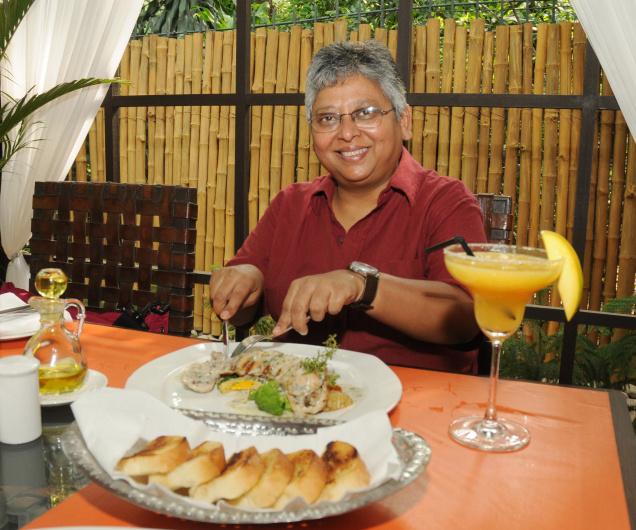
x=351 y=154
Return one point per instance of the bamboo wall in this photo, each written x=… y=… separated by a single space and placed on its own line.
x=530 y=154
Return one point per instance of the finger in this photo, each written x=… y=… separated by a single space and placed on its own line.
x=284 y=320
x=318 y=304
x=235 y=301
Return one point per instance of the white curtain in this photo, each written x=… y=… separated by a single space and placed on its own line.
x=58 y=41
x=609 y=26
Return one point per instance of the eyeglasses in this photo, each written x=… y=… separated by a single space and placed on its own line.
x=365 y=118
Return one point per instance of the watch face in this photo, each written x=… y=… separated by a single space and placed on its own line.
x=363 y=268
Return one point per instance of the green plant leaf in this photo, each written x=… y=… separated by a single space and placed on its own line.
x=11 y=14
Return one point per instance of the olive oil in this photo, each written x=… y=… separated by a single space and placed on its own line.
x=51 y=283
x=61 y=378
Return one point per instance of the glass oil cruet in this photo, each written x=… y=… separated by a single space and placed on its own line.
x=62 y=364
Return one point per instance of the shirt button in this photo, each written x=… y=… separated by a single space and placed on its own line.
x=340 y=240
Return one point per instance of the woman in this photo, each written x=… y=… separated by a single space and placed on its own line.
x=347 y=250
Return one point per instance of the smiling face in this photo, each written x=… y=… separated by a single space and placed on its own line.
x=356 y=157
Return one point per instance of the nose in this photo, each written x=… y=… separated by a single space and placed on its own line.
x=348 y=128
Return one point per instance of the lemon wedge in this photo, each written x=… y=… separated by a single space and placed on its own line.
x=570 y=283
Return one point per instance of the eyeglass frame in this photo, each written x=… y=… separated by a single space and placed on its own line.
x=353 y=119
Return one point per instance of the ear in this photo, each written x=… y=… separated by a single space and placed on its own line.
x=406 y=123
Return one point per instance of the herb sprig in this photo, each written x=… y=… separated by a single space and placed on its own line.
x=318 y=364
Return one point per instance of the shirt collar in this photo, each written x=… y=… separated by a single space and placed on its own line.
x=402 y=180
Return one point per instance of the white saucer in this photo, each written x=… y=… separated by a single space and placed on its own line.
x=93 y=381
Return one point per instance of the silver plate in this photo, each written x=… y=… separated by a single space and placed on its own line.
x=413 y=451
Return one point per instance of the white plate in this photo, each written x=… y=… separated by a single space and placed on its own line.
x=22 y=335
x=370 y=382
x=93 y=381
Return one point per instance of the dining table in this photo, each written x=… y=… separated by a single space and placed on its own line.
x=578 y=471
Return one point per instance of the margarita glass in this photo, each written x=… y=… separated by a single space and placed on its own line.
x=502 y=280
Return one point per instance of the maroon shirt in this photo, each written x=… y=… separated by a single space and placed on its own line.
x=299 y=235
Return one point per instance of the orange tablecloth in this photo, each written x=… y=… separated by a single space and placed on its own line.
x=568 y=477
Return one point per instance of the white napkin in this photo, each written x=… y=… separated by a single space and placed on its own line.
x=16 y=325
x=112 y=420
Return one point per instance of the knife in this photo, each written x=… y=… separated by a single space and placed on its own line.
x=17 y=310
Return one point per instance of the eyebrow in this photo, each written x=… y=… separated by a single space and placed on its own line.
x=363 y=104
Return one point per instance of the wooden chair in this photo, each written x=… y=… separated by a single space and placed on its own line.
x=119 y=244
x=497 y=211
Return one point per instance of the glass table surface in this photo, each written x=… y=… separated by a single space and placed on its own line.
x=36 y=476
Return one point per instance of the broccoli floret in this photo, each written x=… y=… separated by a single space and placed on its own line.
x=270 y=398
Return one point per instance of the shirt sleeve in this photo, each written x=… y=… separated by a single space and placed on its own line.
x=256 y=247
x=456 y=213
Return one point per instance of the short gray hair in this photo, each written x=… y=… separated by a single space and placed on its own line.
x=340 y=60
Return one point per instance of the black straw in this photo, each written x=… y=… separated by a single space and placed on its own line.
x=454 y=240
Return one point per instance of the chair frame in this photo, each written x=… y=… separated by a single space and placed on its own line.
x=119 y=244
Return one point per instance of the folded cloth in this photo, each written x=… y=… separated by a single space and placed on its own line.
x=16 y=326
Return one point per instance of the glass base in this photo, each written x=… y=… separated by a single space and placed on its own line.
x=489 y=435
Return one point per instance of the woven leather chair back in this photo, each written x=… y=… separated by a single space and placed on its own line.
x=497 y=211
x=119 y=244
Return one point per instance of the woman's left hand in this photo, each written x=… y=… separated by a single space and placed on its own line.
x=316 y=296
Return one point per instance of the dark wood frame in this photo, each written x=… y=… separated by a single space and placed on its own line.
x=590 y=102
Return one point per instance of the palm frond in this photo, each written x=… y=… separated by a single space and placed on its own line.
x=29 y=103
x=11 y=14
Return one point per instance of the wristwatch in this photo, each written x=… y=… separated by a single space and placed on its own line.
x=371 y=276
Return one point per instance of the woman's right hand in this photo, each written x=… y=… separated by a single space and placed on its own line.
x=234 y=288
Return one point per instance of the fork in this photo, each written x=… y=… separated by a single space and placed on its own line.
x=250 y=341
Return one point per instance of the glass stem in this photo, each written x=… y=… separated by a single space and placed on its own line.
x=491 y=412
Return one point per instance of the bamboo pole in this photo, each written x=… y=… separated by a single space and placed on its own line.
x=599 y=251
x=627 y=252
x=201 y=84
x=578 y=64
x=257 y=112
x=484 y=114
x=565 y=122
x=124 y=73
x=186 y=129
x=291 y=111
x=276 y=164
x=429 y=157
x=170 y=89
x=589 y=225
x=220 y=202
x=471 y=119
x=81 y=174
x=160 y=112
x=195 y=111
x=328 y=33
x=497 y=116
x=537 y=130
x=443 y=140
x=178 y=112
x=457 y=113
x=135 y=61
x=271 y=54
x=340 y=31
x=151 y=121
x=92 y=150
x=515 y=85
x=616 y=205
x=101 y=146
x=353 y=36
x=392 y=43
x=381 y=35
x=525 y=146
x=140 y=133
x=550 y=139
x=304 y=144
x=314 y=168
x=364 y=32
x=419 y=85
x=211 y=323
x=231 y=167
